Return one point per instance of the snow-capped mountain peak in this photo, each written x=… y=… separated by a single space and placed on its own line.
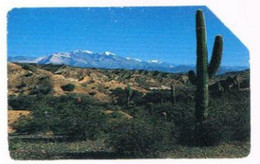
x=107 y=60
x=138 y=60
x=155 y=61
x=82 y=51
x=60 y=54
x=87 y=51
x=109 y=53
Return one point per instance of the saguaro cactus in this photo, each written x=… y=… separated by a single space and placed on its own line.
x=173 y=100
x=204 y=70
x=129 y=93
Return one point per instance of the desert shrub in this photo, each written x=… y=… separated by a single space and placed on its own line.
x=21 y=85
x=78 y=121
x=68 y=87
x=119 y=95
x=79 y=124
x=228 y=120
x=101 y=88
x=155 y=73
x=192 y=134
x=139 y=138
x=28 y=67
x=126 y=76
x=44 y=89
x=21 y=102
x=186 y=133
x=231 y=112
x=44 y=86
x=80 y=78
x=142 y=82
x=241 y=122
x=158 y=109
x=41 y=89
x=137 y=111
x=66 y=116
x=153 y=96
x=137 y=97
x=51 y=67
x=245 y=83
x=207 y=135
x=37 y=122
x=24 y=125
x=92 y=93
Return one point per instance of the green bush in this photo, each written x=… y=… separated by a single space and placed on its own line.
x=154 y=96
x=29 y=67
x=78 y=124
x=206 y=135
x=24 y=125
x=229 y=120
x=139 y=138
x=41 y=89
x=126 y=76
x=231 y=112
x=21 y=102
x=65 y=116
x=68 y=87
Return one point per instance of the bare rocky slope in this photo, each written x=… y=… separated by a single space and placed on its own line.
x=32 y=79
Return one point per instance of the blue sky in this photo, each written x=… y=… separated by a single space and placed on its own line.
x=163 y=33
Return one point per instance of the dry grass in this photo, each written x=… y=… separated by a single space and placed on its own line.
x=13 y=115
x=98 y=150
x=224 y=150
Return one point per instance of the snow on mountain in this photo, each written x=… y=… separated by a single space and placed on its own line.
x=38 y=59
x=138 y=60
x=109 y=53
x=154 y=61
x=21 y=59
x=87 y=51
x=82 y=51
x=109 y=60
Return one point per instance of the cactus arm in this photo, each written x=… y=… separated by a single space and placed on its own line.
x=192 y=77
x=216 y=56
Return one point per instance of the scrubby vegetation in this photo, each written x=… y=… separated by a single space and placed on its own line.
x=101 y=113
x=146 y=126
x=68 y=87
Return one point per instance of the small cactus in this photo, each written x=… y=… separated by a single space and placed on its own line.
x=129 y=93
x=173 y=99
x=204 y=70
x=161 y=95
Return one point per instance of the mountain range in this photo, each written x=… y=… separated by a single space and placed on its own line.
x=108 y=60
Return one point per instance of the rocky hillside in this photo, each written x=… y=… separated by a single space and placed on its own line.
x=32 y=79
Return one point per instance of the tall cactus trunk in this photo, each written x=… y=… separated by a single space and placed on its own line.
x=202 y=69
x=129 y=93
x=173 y=99
x=161 y=93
